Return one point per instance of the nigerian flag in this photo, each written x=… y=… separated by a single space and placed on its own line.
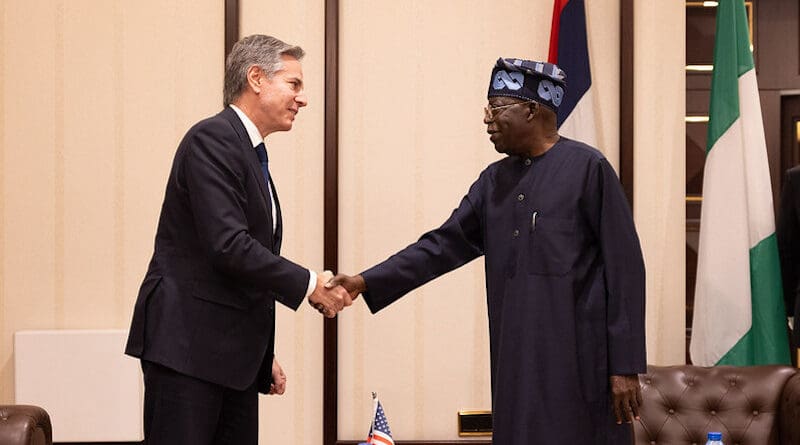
x=739 y=317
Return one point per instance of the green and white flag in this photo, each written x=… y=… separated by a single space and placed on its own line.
x=739 y=317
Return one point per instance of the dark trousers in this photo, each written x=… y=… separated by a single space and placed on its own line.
x=182 y=410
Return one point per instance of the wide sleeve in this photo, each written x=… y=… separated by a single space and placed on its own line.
x=610 y=217
x=787 y=231
x=455 y=243
x=214 y=178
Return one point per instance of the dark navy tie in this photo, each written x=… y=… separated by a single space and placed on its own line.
x=261 y=151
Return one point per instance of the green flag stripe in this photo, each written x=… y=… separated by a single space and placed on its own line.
x=732 y=38
x=767 y=341
x=744 y=57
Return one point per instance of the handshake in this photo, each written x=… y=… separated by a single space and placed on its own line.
x=333 y=294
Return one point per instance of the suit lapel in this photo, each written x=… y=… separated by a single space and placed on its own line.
x=254 y=165
x=279 y=224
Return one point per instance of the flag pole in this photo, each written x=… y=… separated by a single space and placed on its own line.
x=374 y=406
x=374 y=411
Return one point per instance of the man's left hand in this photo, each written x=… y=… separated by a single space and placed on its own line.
x=278 y=385
x=627 y=397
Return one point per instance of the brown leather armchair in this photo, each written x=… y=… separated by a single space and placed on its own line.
x=751 y=405
x=24 y=425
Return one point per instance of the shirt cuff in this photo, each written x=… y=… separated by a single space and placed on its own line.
x=312 y=283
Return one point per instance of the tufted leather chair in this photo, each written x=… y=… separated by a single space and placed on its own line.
x=750 y=405
x=24 y=425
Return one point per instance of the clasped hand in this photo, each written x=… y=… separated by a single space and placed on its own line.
x=333 y=294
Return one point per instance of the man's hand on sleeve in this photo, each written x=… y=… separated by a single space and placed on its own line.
x=329 y=300
x=627 y=397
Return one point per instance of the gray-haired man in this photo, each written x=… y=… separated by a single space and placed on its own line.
x=204 y=320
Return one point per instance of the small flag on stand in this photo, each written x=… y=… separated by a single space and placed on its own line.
x=379 y=433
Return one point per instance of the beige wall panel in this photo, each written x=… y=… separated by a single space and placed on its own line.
x=296 y=165
x=659 y=182
x=413 y=84
x=88 y=161
x=602 y=25
x=28 y=175
x=5 y=342
x=101 y=93
x=170 y=76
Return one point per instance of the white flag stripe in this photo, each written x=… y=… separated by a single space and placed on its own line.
x=580 y=124
x=722 y=310
x=759 y=188
x=383 y=438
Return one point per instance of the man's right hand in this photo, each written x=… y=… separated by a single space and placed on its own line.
x=329 y=300
x=355 y=285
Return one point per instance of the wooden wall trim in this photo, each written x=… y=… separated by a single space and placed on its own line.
x=231 y=26
x=626 y=100
x=330 y=385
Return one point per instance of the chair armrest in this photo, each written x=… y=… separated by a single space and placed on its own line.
x=24 y=425
x=790 y=411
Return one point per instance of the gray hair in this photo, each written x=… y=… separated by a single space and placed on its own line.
x=259 y=50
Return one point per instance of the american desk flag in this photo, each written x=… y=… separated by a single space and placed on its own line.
x=379 y=433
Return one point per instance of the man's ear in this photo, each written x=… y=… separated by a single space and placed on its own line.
x=255 y=78
x=533 y=108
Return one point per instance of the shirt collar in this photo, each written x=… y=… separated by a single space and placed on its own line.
x=252 y=130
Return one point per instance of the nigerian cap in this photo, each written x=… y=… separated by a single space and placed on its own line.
x=528 y=80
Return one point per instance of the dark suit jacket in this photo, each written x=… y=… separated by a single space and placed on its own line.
x=788 y=232
x=206 y=307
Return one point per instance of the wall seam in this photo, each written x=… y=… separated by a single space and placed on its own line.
x=419 y=15
x=118 y=284
x=58 y=167
x=3 y=310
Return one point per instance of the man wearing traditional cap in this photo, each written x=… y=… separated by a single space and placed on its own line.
x=565 y=278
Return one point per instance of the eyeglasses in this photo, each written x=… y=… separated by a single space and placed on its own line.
x=491 y=113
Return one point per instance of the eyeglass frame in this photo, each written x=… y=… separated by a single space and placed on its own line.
x=489 y=111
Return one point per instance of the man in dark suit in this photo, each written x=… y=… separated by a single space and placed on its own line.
x=204 y=321
x=788 y=232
